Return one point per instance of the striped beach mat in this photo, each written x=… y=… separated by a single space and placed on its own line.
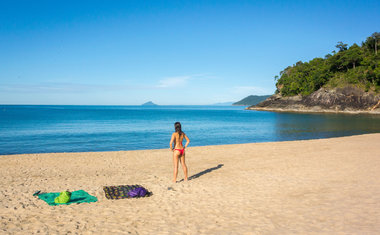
x=121 y=191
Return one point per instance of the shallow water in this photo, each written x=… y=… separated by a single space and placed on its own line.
x=43 y=129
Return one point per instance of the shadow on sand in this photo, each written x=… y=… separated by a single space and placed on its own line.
x=204 y=172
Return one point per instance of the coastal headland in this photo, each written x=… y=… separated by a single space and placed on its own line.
x=346 y=81
x=349 y=99
x=318 y=186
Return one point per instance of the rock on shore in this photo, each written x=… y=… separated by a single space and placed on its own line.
x=347 y=100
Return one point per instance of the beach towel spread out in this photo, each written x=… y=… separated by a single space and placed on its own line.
x=125 y=191
x=79 y=196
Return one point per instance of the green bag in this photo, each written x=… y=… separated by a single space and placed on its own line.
x=64 y=197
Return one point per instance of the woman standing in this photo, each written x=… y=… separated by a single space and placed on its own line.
x=178 y=150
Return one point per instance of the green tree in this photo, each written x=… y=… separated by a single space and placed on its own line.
x=376 y=38
x=353 y=56
x=341 y=46
x=372 y=42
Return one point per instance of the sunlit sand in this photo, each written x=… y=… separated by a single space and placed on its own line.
x=314 y=186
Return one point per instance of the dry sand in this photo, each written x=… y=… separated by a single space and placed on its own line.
x=325 y=186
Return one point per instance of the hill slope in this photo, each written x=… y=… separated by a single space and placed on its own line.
x=252 y=100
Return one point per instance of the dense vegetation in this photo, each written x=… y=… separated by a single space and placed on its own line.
x=358 y=65
x=252 y=100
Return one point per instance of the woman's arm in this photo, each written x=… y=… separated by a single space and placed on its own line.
x=171 y=142
x=187 y=140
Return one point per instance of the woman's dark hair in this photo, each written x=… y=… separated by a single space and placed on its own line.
x=177 y=127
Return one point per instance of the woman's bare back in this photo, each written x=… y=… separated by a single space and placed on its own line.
x=178 y=139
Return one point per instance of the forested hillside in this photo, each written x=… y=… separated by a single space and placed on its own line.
x=357 y=65
x=252 y=100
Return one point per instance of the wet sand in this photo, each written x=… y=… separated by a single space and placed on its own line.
x=325 y=186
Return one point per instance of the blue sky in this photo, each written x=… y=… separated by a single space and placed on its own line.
x=170 y=52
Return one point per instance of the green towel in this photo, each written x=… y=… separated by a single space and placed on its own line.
x=79 y=196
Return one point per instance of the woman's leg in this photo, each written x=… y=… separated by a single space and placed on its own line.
x=175 y=165
x=184 y=167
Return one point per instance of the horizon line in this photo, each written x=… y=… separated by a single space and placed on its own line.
x=216 y=104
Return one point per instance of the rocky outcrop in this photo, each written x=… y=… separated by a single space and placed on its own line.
x=347 y=100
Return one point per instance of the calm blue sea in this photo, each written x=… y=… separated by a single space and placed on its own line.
x=44 y=129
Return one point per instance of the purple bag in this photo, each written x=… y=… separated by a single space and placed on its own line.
x=137 y=192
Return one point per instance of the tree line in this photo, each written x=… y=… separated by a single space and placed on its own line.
x=357 y=65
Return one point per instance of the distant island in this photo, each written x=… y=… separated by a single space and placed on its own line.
x=252 y=100
x=348 y=81
x=149 y=103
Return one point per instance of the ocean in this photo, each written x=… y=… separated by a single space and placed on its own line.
x=65 y=128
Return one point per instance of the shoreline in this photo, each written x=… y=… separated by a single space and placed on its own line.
x=305 y=186
x=164 y=149
x=314 y=110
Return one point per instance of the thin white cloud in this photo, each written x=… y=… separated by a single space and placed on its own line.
x=73 y=87
x=170 y=82
x=55 y=87
x=182 y=81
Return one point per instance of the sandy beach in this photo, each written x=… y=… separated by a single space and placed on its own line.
x=324 y=186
